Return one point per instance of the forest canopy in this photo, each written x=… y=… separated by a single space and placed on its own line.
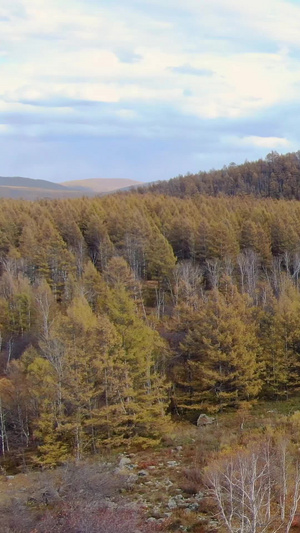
x=119 y=312
x=276 y=176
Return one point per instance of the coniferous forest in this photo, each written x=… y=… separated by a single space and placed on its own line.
x=124 y=313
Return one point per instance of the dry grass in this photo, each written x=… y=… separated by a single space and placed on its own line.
x=72 y=499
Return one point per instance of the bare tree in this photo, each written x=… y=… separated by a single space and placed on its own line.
x=213 y=267
x=256 y=490
x=248 y=263
x=296 y=268
x=187 y=283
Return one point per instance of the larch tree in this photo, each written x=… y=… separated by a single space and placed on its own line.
x=143 y=356
x=220 y=352
x=280 y=342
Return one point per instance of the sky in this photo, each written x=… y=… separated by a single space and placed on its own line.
x=145 y=89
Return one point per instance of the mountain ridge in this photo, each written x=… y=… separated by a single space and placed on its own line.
x=276 y=176
x=18 y=181
x=33 y=189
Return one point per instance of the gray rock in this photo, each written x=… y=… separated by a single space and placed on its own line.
x=172 y=463
x=172 y=504
x=124 y=462
x=143 y=473
x=205 y=420
x=194 y=506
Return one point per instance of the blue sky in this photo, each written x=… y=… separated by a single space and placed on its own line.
x=145 y=89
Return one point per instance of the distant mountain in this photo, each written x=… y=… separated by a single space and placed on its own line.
x=29 y=182
x=32 y=189
x=102 y=185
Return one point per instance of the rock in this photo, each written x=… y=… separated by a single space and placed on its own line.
x=172 y=463
x=124 y=461
x=194 y=506
x=172 y=504
x=205 y=420
x=143 y=473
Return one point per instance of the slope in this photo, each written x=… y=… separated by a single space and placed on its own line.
x=101 y=185
x=276 y=176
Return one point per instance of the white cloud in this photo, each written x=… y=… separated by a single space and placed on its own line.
x=58 y=53
x=265 y=142
x=278 y=20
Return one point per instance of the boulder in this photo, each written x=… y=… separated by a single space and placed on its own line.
x=124 y=462
x=172 y=504
x=205 y=420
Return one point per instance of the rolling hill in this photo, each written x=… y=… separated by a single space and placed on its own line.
x=33 y=189
x=102 y=185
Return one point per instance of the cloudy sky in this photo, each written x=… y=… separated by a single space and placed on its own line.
x=145 y=89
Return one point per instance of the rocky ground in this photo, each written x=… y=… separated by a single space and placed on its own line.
x=169 y=488
x=165 y=485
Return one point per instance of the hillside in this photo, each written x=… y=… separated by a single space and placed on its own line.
x=17 y=181
x=102 y=185
x=34 y=189
x=124 y=318
x=276 y=176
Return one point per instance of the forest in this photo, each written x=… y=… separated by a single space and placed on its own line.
x=276 y=176
x=124 y=317
x=119 y=313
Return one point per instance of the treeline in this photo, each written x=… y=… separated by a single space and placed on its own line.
x=277 y=176
x=118 y=312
